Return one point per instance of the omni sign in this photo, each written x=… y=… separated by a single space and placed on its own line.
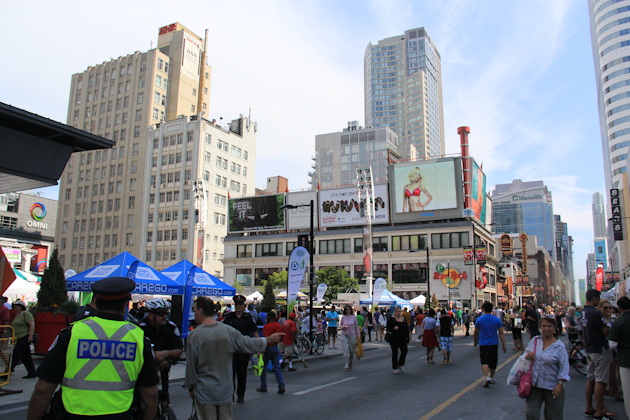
x=38 y=212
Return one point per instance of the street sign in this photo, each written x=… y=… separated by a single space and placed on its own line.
x=440 y=267
x=615 y=208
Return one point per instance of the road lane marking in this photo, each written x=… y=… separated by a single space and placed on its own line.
x=317 y=388
x=454 y=398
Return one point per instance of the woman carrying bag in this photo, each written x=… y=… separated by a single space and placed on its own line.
x=24 y=326
x=349 y=335
x=398 y=330
x=550 y=370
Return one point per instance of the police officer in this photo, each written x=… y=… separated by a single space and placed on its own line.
x=244 y=323
x=163 y=334
x=99 y=361
x=86 y=311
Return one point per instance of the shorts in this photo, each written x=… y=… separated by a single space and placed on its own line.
x=332 y=331
x=489 y=355
x=286 y=349
x=376 y=327
x=446 y=343
x=598 y=366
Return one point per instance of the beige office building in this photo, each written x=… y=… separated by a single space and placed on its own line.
x=194 y=165
x=102 y=193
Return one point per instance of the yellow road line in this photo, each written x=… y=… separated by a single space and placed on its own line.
x=455 y=397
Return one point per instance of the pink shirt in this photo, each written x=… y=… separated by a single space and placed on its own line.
x=351 y=322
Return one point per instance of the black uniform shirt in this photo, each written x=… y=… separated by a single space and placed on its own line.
x=245 y=324
x=168 y=338
x=84 y=312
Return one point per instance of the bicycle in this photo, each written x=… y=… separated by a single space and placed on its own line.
x=164 y=409
x=577 y=357
x=302 y=345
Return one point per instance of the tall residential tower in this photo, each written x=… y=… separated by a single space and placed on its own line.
x=403 y=90
x=599 y=215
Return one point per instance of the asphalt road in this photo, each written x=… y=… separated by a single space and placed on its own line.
x=371 y=391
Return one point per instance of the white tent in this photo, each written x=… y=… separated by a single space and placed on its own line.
x=20 y=288
x=419 y=300
x=254 y=297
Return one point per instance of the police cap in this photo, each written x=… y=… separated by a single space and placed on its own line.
x=114 y=288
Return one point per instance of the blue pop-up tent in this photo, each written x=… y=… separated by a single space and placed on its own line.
x=203 y=284
x=387 y=298
x=196 y=282
x=148 y=280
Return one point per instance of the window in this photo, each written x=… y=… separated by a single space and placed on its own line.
x=220 y=200
x=219 y=219
x=136 y=132
x=449 y=240
x=268 y=250
x=334 y=246
x=243 y=251
x=167 y=235
x=184 y=234
x=114 y=240
x=207 y=157
x=149 y=236
x=132 y=202
x=129 y=239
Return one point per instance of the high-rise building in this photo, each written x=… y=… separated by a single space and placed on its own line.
x=339 y=154
x=193 y=166
x=599 y=215
x=591 y=268
x=525 y=207
x=403 y=90
x=104 y=196
x=610 y=38
x=563 y=246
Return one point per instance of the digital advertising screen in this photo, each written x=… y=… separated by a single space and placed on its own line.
x=261 y=212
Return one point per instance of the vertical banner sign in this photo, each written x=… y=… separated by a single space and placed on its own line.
x=321 y=291
x=480 y=250
x=469 y=256
x=599 y=279
x=298 y=262
x=188 y=301
x=379 y=286
x=523 y=238
x=367 y=252
x=615 y=208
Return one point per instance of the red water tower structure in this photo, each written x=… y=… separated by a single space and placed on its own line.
x=463 y=138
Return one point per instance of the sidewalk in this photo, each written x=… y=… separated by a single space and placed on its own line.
x=178 y=372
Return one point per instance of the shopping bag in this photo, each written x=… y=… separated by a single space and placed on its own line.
x=359 y=348
x=525 y=385
x=521 y=366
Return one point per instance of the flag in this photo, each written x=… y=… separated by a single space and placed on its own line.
x=7 y=273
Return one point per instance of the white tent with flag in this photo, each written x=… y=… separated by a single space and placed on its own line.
x=21 y=288
x=387 y=298
x=254 y=297
x=419 y=300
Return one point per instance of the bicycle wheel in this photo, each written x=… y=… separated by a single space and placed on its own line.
x=579 y=361
x=304 y=347
x=319 y=346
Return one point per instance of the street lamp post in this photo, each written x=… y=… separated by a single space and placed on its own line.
x=426 y=247
x=311 y=251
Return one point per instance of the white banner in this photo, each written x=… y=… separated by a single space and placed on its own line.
x=379 y=286
x=298 y=262
x=299 y=218
x=321 y=291
x=340 y=207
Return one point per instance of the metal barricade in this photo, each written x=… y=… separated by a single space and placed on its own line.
x=7 y=342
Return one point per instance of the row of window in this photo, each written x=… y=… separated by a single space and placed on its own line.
x=168 y=216
x=166 y=235
x=165 y=255
x=169 y=196
x=379 y=244
x=97 y=224
x=94 y=242
x=84 y=192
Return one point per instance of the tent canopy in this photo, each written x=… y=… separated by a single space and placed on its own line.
x=21 y=287
x=148 y=280
x=204 y=284
x=27 y=276
x=387 y=298
x=254 y=297
x=419 y=300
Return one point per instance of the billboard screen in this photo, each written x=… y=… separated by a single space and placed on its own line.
x=340 y=207
x=298 y=218
x=262 y=212
x=601 y=256
x=426 y=190
x=478 y=192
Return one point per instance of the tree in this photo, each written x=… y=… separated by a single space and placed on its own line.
x=434 y=302
x=269 y=299
x=53 y=290
x=239 y=287
x=280 y=280
x=338 y=281
x=390 y=284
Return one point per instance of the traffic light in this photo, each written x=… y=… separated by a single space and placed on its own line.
x=303 y=240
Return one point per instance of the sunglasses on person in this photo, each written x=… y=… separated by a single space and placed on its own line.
x=161 y=312
x=239 y=302
x=606 y=307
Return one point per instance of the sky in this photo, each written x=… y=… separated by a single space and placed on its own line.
x=519 y=74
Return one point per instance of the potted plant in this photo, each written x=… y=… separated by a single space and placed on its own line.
x=52 y=298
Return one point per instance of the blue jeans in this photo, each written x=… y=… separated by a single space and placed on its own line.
x=271 y=353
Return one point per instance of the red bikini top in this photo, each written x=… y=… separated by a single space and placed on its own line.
x=415 y=192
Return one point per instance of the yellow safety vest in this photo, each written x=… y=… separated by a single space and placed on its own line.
x=103 y=361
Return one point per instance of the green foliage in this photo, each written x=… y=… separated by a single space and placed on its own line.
x=435 y=303
x=69 y=307
x=280 y=280
x=52 y=291
x=390 y=284
x=338 y=281
x=269 y=299
x=239 y=287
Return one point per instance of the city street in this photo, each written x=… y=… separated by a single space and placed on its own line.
x=370 y=390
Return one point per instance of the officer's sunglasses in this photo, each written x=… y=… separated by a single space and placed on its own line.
x=161 y=312
x=239 y=302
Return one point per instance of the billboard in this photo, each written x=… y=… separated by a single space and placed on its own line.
x=191 y=56
x=340 y=207
x=601 y=256
x=298 y=218
x=262 y=212
x=478 y=192
x=426 y=190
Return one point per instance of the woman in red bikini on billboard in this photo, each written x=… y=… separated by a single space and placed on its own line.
x=412 y=200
